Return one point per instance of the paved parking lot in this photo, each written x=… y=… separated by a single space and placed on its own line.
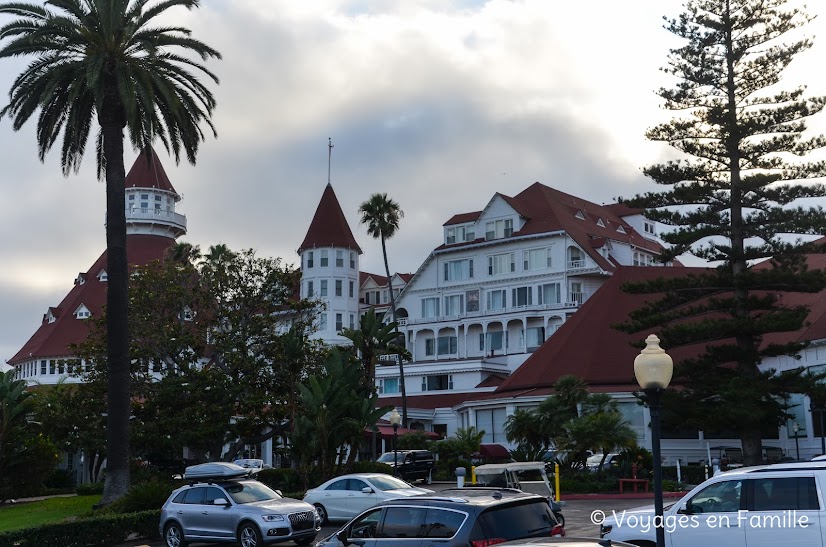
x=577 y=517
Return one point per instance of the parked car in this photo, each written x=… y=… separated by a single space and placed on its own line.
x=763 y=506
x=507 y=475
x=563 y=542
x=410 y=465
x=344 y=497
x=221 y=504
x=593 y=462
x=466 y=517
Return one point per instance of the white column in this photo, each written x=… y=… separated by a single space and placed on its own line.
x=266 y=451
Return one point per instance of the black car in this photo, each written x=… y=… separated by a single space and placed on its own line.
x=410 y=465
x=459 y=517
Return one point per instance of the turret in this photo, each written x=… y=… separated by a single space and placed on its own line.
x=151 y=199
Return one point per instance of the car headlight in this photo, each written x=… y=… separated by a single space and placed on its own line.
x=272 y=518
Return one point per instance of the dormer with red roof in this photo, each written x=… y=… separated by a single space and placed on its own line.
x=330 y=269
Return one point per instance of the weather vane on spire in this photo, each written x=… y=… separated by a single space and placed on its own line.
x=329 y=157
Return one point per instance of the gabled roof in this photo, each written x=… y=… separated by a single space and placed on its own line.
x=53 y=339
x=379 y=280
x=147 y=172
x=463 y=218
x=329 y=228
x=546 y=210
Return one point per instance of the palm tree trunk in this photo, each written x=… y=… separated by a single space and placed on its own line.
x=117 y=325
x=393 y=318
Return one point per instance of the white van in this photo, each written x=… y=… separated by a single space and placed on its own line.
x=765 y=506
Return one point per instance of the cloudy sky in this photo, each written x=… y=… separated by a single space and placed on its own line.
x=439 y=103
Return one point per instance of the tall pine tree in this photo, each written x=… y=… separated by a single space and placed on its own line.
x=732 y=198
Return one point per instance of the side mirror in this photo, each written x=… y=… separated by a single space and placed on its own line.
x=220 y=501
x=341 y=535
x=366 y=490
x=279 y=493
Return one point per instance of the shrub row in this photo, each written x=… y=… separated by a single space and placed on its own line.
x=102 y=530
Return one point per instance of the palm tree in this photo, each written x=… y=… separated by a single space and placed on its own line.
x=372 y=340
x=381 y=215
x=106 y=62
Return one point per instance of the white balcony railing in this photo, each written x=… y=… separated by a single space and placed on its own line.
x=158 y=215
x=576 y=264
x=575 y=299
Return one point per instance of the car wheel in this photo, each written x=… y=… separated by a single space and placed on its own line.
x=560 y=518
x=249 y=536
x=322 y=513
x=173 y=535
x=305 y=541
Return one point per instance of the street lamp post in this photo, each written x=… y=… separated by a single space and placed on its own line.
x=395 y=419
x=653 y=368
x=796 y=429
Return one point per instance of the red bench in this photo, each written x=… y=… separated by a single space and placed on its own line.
x=635 y=482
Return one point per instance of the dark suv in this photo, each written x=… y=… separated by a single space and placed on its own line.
x=410 y=465
x=457 y=517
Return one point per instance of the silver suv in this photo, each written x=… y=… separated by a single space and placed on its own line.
x=243 y=511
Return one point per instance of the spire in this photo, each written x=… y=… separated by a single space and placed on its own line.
x=329 y=228
x=147 y=172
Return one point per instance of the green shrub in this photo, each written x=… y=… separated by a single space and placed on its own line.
x=286 y=480
x=102 y=530
x=366 y=466
x=143 y=497
x=689 y=474
x=417 y=440
x=60 y=479
x=90 y=488
x=672 y=486
x=297 y=495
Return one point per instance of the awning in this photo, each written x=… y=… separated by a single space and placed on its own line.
x=493 y=451
x=387 y=431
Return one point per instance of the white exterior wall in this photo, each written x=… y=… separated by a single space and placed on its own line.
x=344 y=304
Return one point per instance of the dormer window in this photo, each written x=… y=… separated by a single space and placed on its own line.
x=80 y=279
x=497 y=229
x=82 y=312
x=187 y=314
x=580 y=215
x=620 y=229
x=649 y=228
x=600 y=223
x=50 y=317
x=459 y=234
x=103 y=276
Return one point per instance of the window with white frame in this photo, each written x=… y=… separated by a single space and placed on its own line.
x=535 y=337
x=501 y=263
x=448 y=345
x=339 y=322
x=310 y=293
x=491 y=341
x=643 y=259
x=522 y=296
x=388 y=385
x=144 y=201
x=339 y=290
x=322 y=321
x=352 y=289
x=459 y=234
x=430 y=307
x=497 y=229
x=309 y=259
x=454 y=304
x=536 y=259
x=492 y=422
x=649 y=228
x=323 y=290
x=458 y=270
x=158 y=203
x=352 y=321
x=429 y=346
x=339 y=258
x=352 y=260
x=496 y=300
x=437 y=382
x=549 y=293
x=324 y=262
x=575 y=259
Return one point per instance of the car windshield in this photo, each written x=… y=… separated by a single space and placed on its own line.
x=388 y=457
x=250 y=492
x=389 y=483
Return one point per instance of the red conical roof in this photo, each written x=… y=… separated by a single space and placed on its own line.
x=147 y=172
x=329 y=228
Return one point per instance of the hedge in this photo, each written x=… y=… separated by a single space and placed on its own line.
x=102 y=530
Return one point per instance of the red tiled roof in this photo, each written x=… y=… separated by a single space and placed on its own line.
x=492 y=381
x=548 y=210
x=329 y=228
x=493 y=451
x=406 y=277
x=379 y=280
x=147 y=172
x=621 y=209
x=428 y=402
x=572 y=348
x=53 y=339
x=461 y=218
